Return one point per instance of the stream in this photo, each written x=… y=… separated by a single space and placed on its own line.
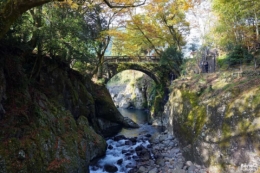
x=129 y=146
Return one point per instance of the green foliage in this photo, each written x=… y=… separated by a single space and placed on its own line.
x=157 y=102
x=189 y=66
x=173 y=59
x=101 y=81
x=83 y=66
x=238 y=22
x=123 y=77
x=221 y=61
x=21 y=31
x=54 y=29
x=239 y=55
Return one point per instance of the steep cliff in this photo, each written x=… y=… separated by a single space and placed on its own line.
x=217 y=119
x=51 y=117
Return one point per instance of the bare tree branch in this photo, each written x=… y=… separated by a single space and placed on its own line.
x=115 y=5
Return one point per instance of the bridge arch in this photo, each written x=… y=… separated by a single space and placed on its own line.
x=145 y=64
x=136 y=68
x=161 y=75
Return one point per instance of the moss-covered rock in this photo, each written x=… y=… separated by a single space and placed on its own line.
x=49 y=116
x=40 y=135
x=218 y=127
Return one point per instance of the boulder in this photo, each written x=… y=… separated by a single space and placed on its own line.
x=110 y=168
x=127 y=122
x=120 y=161
x=154 y=170
x=119 y=137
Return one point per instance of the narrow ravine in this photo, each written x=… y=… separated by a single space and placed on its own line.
x=146 y=149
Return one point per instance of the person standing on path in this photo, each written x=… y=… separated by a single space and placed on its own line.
x=206 y=65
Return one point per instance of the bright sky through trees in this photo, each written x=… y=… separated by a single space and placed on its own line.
x=201 y=20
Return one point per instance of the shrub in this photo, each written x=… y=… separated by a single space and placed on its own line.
x=239 y=55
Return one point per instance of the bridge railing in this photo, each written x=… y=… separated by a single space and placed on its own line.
x=117 y=59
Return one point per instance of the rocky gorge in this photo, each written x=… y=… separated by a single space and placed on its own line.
x=54 y=119
x=215 y=117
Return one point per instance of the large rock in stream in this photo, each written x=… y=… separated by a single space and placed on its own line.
x=109 y=118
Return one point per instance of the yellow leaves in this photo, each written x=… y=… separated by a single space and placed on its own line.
x=69 y=3
x=74 y=6
x=126 y=1
x=116 y=33
x=150 y=29
x=166 y=5
x=187 y=5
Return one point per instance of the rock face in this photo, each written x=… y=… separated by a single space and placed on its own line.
x=132 y=89
x=51 y=116
x=2 y=92
x=106 y=111
x=217 y=126
x=128 y=96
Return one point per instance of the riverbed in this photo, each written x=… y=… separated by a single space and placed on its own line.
x=121 y=154
x=144 y=150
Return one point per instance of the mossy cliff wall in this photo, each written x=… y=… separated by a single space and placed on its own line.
x=48 y=116
x=217 y=126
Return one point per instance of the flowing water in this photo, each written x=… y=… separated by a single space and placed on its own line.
x=141 y=118
x=121 y=154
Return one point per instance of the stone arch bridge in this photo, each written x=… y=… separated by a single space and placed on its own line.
x=147 y=64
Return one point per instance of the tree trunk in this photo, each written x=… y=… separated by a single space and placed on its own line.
x=100 y=67
x=256 y=27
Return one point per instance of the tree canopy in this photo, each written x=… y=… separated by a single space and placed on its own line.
x=10 y=11
x=238 y=22
x=84 y=30
x=160 y=24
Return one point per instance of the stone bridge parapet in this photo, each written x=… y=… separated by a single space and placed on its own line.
x=131 y=59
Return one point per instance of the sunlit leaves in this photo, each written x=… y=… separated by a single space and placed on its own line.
x=238 y=21
x=124 y=3
x=161 y=23
x=68 y=3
